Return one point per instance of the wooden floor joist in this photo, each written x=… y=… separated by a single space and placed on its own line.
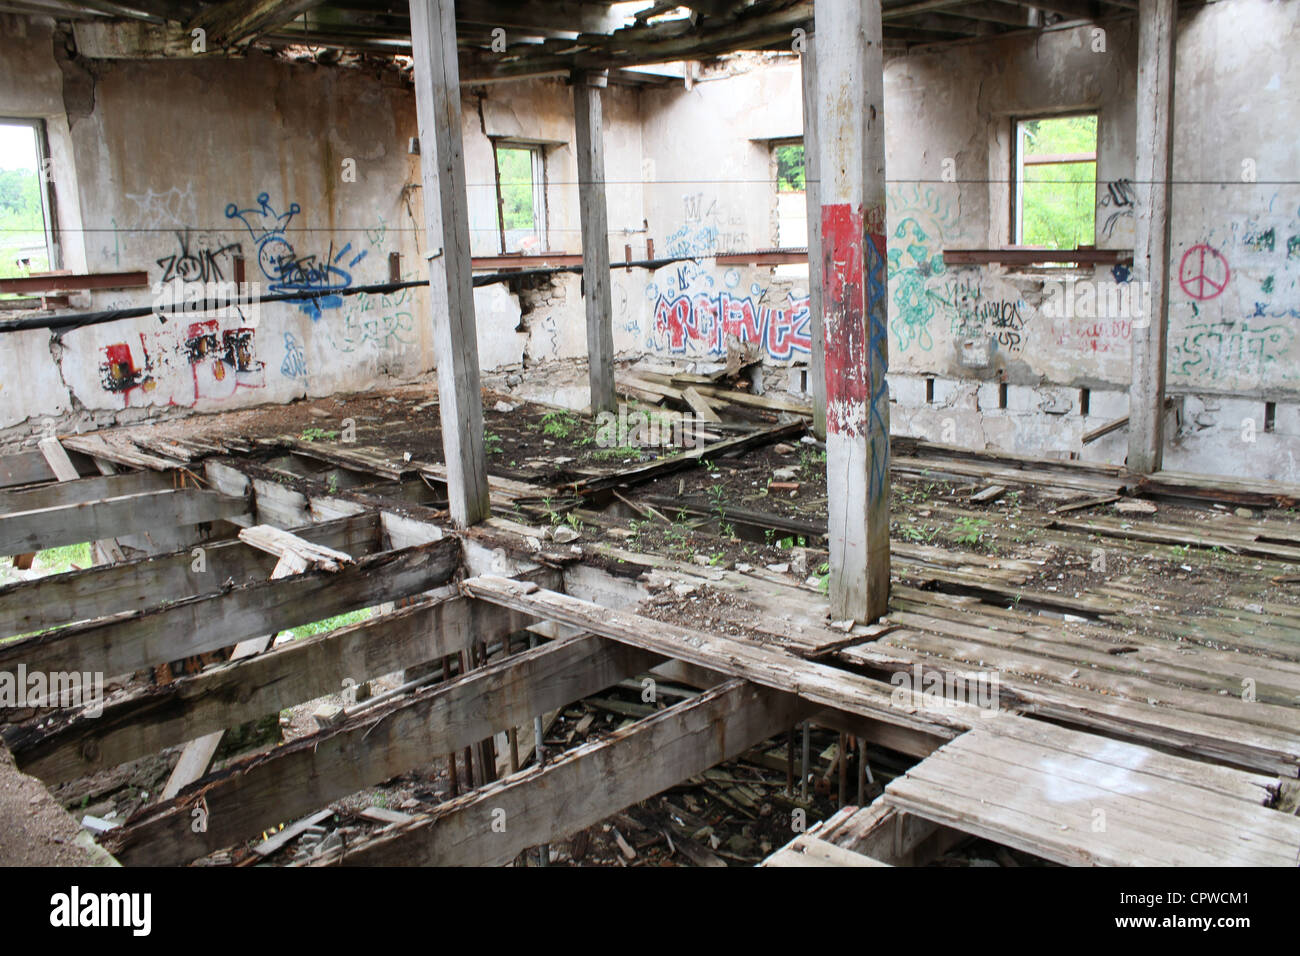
x=59 y=599
x=42 y=528
x=239 y=691
x=201 y=624
x=543 y=804
x=374 y=746
x=816 y=683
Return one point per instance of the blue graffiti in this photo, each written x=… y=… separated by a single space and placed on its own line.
x=321 y=280
x=295 y=361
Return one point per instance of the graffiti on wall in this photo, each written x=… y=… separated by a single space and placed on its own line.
x=1219 y=350
x=175 y=367
x=380 y=322
x=319 y=277
x=924 y=221
x=703 y=323
x=1203 y=272
x=1119 y=202
x=977 y=313
x=197 y=261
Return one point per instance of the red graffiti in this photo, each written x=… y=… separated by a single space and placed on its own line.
x=707 y=321
x=1203 y=272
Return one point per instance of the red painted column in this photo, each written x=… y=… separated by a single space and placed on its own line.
x=850 y=99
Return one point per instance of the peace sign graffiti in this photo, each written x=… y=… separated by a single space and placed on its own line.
x=1203 y=273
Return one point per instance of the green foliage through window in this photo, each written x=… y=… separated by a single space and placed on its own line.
x=789 y=168
x=1058 y=200
x=519 y=215
x=22 y=220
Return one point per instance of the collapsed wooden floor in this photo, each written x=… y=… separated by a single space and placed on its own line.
x=1148 y=626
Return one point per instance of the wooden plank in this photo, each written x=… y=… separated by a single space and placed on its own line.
x=807 y=850
x=202 y=624
x=451 y=292
x=375 y=746
x=812 y=191
x=60 y=599
x=44 y=528
x=818 y=683
x=589 y=146
x=105 y=551
x=1153 y=171
x=273 y=843
x=699 y=404
x=1089 y=437
x=198 y=753
x=583 y=786
x=1046 y=801
x=850 y=103
x=24 y=468
x=82 y=490
x=238 y=691
x=687 y=459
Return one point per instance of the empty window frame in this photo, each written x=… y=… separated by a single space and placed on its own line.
x=27 y=237
x=521 y=197
x=1055 y=182
x=791 y=203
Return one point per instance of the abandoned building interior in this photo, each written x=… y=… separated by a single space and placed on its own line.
x=585 y=433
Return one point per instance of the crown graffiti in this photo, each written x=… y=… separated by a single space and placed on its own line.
x=263 y=223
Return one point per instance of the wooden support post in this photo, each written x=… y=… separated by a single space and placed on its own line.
x=850 y=124
x=451 y=292
x=1155 y=104
x=811 y=177
x=589 y=140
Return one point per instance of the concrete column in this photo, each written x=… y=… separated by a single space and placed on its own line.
x=1155 y=106
x=451 y=289
x=811 y=167
x=850 y=125
x=590 y=142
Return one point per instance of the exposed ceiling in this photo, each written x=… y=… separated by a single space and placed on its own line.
x=516 y=38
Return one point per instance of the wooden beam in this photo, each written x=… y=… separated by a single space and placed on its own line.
x=80 y=490
x=235 y=21
x=545 y=804
x=1155 y=103
x=820 y=684
x=43 y=528
x=202 y=624
x=239 y=691
x=557 y=15
x=60 y=599
x=812 y=193
x=451 y=290
x=850 y=102
x=589 y=144
x=374 y=746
